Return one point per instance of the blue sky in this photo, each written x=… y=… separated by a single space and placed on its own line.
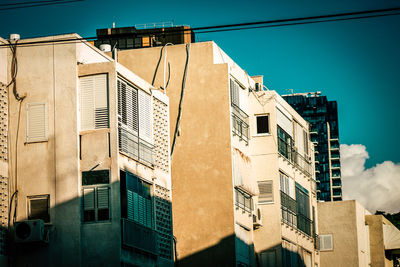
x=354 y=62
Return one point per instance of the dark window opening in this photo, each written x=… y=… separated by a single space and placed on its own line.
x=39 y=208
x=262 y=124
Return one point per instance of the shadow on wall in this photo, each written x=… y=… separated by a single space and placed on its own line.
x=89 y=230
x=221 y=254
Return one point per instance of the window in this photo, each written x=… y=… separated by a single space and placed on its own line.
x=244 y=201
x=285 y=144
x=94 y=101
x=234 y=87
x=135 y=122
x=303 y=210
x=262 y=124
x=38 y=208
x=96 y=196
x=136 y=195
x=286 y=184
x=36 y=122
x=266 y=192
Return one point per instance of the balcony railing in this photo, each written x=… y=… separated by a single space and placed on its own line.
x=289 y=210
x=290 y=153
x=304 y=224
x=137 y=236
x=240 y=122
x=130 y=144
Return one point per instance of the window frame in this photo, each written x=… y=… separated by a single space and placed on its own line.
x=268 y=125
x=96 y=188
x=29 y=206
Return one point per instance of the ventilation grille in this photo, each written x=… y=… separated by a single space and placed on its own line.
x=163 y=221
x=160 y=135
x=3 y=123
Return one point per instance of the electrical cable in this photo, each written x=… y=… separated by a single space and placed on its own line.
x=44 y=3
x=30 y=2
x=178 y=119
x=169 y=76
x=158 y=63
x=242 y=26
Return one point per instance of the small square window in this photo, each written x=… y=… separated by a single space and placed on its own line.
x=38 y=208
x=262 y=124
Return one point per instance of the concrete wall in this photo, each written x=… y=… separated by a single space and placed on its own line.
x=376 y=237
x=345 y=220
x=201 y=167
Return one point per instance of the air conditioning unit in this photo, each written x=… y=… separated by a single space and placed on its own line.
x=29 y=231
x=257 y=219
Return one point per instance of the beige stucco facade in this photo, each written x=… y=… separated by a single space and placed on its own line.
x=51 y=73
x=345 y=221
x=210 y=166
x=278 y=235
x=384 y=241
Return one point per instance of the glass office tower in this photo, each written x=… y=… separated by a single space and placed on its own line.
x=324 y=133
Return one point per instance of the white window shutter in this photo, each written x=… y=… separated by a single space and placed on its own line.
x=145 y=118
x=101 y=103
x=266 y=192
x=36 y=122
x=93 y=102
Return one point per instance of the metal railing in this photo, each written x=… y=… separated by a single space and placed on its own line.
x=290 y=153
x=137 y=236
x=289 y=210
x=304 y=224
x=240 y=122
x=130 y=144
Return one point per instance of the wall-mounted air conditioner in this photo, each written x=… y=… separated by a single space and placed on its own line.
x=257 y=219
x=29 y=231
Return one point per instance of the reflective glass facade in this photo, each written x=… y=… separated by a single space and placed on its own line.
x=324 y=133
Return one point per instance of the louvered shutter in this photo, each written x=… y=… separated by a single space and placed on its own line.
x=36 y=123
x=326 y=242
x=234 y=92
x=145 y=118
x=266 y=192
x=103 y=200
x=88 y=199
x=93 y=102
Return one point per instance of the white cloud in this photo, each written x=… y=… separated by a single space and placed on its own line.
x=376 y=188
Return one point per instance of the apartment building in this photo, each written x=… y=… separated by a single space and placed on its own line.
x=351 y=236
x=3 y=152
x=283 y=160
x=212 y=178
x=323 y=118
x=88 y=158
x=144 y=35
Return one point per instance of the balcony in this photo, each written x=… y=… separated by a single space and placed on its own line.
x=289 y=152
x=133 y=146
x=335 y=156
x=304 y=224
x=137 y=236
x=289 y=210
x=240 y=123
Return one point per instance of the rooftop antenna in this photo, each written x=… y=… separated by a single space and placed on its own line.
x=290 y=90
